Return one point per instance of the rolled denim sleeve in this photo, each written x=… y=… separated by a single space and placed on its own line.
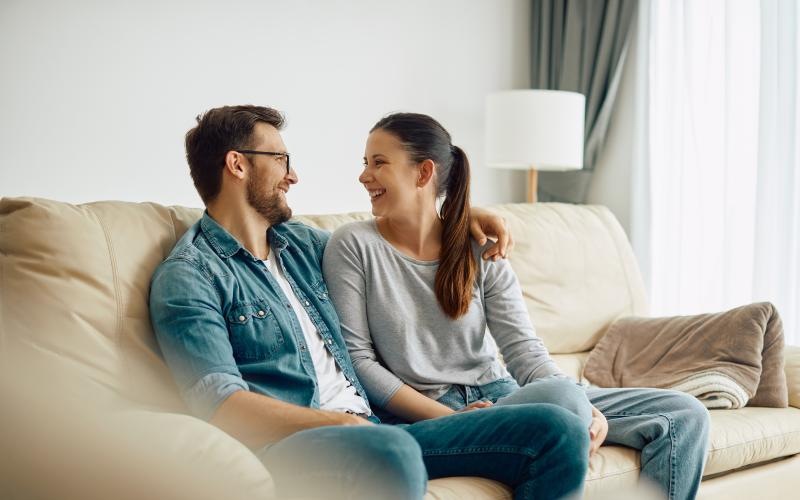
x=204 y=397
x=186 y=315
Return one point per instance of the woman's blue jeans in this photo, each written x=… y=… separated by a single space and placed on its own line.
x=669 y=428
x=539 y=450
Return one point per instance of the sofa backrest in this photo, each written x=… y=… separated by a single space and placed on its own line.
x=74 y=285
x=577 y=270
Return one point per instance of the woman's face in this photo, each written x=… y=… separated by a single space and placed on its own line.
x=389 y=175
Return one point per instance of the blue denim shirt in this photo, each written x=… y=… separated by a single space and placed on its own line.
x=224 y=324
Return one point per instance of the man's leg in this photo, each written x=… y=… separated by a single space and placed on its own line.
x=669 y=427
x=540 y=450
x=347 y=462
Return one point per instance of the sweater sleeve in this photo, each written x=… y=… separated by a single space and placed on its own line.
x=344 y=271
x=524 y=353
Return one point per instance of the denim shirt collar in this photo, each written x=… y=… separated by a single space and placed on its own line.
x=226 y=245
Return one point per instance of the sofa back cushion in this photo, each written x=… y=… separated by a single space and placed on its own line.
x=577 y=270
x=74 y=281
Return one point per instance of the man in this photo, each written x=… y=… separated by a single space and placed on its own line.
x=243 y=318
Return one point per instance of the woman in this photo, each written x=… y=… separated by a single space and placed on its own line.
x=414 y=299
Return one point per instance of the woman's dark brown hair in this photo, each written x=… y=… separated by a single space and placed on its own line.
x=424 y=138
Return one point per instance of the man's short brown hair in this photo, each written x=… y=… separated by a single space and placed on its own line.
x=218 y=131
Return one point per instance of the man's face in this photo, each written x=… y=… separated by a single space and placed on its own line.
x=268 y=181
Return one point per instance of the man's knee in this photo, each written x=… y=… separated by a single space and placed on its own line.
x=566 y=433
x=395 y=455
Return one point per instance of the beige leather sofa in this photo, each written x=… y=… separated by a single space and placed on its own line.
x=89 y=410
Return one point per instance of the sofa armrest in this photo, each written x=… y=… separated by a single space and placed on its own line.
x=91 y=447
x=792 y=368
x=191 y=449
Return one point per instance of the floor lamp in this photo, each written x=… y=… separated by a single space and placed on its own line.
x=534 y=130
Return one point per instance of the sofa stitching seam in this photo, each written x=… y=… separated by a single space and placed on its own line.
x=608 y=227
x=115 y=278
x=754 y=441
x=635 y=469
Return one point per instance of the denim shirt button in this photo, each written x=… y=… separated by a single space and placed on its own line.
x=261 y=313
x=242 y=318
x=306 y=302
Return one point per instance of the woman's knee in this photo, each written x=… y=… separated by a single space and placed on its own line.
x=693 y=413
x=559 y=391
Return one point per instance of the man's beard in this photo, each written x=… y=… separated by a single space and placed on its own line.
x=270 y=206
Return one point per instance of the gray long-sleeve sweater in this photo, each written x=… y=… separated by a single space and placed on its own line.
x=397 y=333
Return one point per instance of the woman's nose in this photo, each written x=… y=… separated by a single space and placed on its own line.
x=365 y=176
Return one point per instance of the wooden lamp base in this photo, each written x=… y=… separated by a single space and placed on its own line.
x=533 y=179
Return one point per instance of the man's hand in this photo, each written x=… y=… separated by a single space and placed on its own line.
x=484 y=224
x=598 y=431
x=476 y=405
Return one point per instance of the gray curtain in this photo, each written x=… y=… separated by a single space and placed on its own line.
x=580 y=45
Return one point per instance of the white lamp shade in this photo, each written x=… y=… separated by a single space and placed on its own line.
x=541 y=129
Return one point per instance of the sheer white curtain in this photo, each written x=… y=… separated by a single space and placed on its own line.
x=722 y=181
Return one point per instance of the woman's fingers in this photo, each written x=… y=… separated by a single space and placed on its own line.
x=476 y=405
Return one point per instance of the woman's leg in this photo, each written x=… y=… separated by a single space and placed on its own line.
x=560 y=391
x=670 y=428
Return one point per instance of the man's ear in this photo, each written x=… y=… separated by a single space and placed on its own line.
x=234 y=164
x=426 y=170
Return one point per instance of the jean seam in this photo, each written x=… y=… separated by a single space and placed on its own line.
x=672 y=457
x=479 y=449
x=672 y=451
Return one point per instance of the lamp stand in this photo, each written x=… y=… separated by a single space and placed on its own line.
x=533 y=179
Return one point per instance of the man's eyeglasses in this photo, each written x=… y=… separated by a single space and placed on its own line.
x=270 y=153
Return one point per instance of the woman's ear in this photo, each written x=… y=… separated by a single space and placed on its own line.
x=426 y=170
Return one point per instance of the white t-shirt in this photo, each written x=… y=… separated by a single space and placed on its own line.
x=335 y=392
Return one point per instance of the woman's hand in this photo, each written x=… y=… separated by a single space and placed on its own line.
x=483 y=224
x=476 y=405
x=598 y=431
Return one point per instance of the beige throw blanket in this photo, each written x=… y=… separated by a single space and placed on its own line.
x=727 y=360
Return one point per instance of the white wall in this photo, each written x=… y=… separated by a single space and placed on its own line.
x=97 y=95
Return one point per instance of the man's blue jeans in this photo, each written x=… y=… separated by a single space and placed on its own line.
x=539 y=450
x=669 y=428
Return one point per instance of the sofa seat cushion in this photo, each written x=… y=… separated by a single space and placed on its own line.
x=738 y=438
x=451 y=488
x=750 y=436
x=611 y=470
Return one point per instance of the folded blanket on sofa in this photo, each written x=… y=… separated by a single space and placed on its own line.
x=727 y=360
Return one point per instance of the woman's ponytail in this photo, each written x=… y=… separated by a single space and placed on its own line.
x=457 y=267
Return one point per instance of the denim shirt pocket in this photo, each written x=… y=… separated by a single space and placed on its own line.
x=254 y=331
